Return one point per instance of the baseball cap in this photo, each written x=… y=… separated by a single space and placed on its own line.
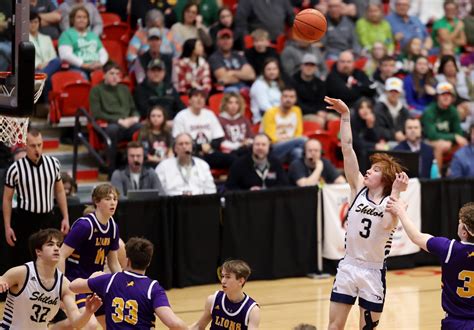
x=225 y=33
x=394 y=84
x=156 y=64
x=154 y=33
x=195 y=91
x=309 y=59
x=444 y=87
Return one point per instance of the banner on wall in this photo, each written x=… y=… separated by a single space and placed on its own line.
x=336 y=202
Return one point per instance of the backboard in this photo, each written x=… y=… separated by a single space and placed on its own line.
x=20 y=56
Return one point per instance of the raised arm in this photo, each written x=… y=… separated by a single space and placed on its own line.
x=351 y=166
x=205 y=317
x=398 y=208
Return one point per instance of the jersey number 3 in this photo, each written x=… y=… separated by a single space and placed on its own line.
x=131 y=306
x=466 y=291
x=367 y=224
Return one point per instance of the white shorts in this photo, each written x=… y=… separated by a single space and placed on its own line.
x=354 y=281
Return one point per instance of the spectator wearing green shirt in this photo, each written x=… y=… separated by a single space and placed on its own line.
x=374 y=28
x=441 y=123
x=449 y=28
x=80 y=47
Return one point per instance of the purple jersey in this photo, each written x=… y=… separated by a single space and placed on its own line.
x=457 y=263
x=229 y=315
x=129 y=299
x=91 y=242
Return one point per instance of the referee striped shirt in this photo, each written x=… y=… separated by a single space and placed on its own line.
x=34 y=183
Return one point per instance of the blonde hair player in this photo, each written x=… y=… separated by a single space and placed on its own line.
x=361 y=273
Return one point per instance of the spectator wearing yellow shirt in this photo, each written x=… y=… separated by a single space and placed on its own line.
x=284 y=126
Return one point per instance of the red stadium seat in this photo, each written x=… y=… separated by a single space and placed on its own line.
x=70 y=91
x=310 y=127
x=110 y=18
x=185 y=99
x=116 y=53
x=215 y=102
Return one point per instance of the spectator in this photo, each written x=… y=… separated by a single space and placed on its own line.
x=112 y=102
x=225 y=21
x=464 y=8
x=135 y=176
x=185 y=174
x=138 y=10
x=78 y=46
x=257 y=170
x=310 y=91
x=374 y=28
x=268 y=15
x=462 y=164
x=449 y=28
x=238 y=132
x=406 y=60
x=94 y=19
x=365 y=132
x=386 y=69
x=375 y=55
x=6 y=35
x=441 y=123
x=70 y=189
x=49 y=17
x=208 y=9
x=284 y=126
x=140 y=65
x=313 y=169
x=340 y=35
x=156 y=90
x=426 y=10
x=156 y=137
x=203 y=126
x=139 y=45
x=419 y=86
x=406 y=27
x=448 y=72
x=192 y=69
x=390 y=111
x=346 y=82
x=265 y=91
x=260 y=51
x=46 y=59
x=292 y=57
x=414 y=143
x=190 y=26
x=469 y=27
x=229 y=68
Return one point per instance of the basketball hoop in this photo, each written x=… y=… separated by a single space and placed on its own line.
x=13 y=130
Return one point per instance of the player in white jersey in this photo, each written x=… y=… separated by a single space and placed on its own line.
x=36 y=289
x=361 y=273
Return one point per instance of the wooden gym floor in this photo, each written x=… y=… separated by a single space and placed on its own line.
x=413 y=301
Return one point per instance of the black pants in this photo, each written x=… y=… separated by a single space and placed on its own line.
x=24 y=224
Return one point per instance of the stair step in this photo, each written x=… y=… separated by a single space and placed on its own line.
x=50 y=143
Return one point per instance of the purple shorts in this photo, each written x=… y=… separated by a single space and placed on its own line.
x=452 y=323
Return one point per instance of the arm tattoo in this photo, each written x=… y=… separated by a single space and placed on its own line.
x=346 y=120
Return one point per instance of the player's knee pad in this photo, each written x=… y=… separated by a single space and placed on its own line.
x=369 y=324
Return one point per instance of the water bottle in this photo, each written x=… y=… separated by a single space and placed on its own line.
x=434 y=173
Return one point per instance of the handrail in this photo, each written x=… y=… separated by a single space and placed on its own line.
x=80 y=138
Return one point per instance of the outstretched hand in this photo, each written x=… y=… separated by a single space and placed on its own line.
x=336 y=104
x=396 y=206
x=93 y=303
x=401 y=182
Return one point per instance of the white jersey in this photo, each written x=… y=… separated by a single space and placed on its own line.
x=366 y=240
x=34 y=306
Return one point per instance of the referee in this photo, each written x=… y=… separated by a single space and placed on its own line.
x=35 y=178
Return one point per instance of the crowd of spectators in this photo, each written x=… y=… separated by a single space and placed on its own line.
x=396 y=65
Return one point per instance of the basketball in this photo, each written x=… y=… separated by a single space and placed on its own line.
x=310 y=25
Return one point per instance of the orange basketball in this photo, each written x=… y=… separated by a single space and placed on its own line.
x=310 y=25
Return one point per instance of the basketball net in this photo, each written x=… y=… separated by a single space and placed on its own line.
x=13 y=130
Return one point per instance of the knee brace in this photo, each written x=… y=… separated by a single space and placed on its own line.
x=369 y=324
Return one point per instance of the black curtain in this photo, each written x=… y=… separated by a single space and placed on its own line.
x=273 y=230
